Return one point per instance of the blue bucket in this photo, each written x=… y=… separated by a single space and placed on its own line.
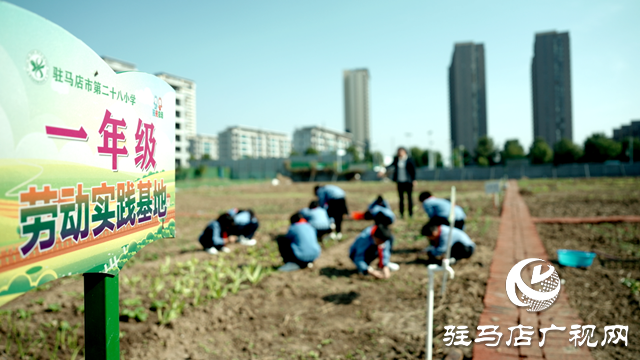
x=575 y=258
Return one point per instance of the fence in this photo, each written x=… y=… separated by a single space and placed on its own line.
x=269 y=168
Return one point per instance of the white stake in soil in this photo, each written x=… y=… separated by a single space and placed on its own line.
x=447 y=270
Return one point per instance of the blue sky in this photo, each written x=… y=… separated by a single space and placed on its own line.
x=278 y=64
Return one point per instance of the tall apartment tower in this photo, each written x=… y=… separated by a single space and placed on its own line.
x=467 y=95
x=551 y=87
x=356 y=105
x=185 y=115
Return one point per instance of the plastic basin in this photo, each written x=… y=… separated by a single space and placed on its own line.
x=575 y=258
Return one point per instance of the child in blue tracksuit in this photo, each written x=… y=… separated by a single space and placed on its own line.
x=246 y=225
x=462 y=246
x=299 y=247
x=216 y=235
x=317 y=217
x=332 y=198
x=373 y=243
x=380 y=212
x=438 y=210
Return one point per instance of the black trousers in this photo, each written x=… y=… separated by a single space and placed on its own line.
x=460 y=251
x=405 y=187
x=322 y=233
x=284 y=246
x=336 y=209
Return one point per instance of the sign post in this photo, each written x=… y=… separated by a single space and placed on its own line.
x=101 y=311
x=87 y=168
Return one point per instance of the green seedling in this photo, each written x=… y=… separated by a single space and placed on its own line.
x=132 y=302
x=55 y=307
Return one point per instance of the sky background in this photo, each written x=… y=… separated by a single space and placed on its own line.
x=278 y=65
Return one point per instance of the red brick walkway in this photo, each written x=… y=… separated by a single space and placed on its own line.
x=587 y=220
x=518 y=240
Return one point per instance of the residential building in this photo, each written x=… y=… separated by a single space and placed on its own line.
x=467 y=96
x=356 y=105
x=119 y=65
x=185 y=115
x=185 y=108
x=551 y=87
x=241 y=142
x=204 y=146
x=626 y=131
x=323 y=140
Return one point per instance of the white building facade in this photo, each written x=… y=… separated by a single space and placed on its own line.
x=185 y=115
x=321 y=139
x=356 y=105
x=240 y=142
x=204 y=147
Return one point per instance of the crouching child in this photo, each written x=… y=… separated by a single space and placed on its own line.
x=462 y=246
x=317 y=217
x=380 y=212
x=299 y=248
x=438 y=209
x=215 y=236
x=246 y=225
x=373 y=243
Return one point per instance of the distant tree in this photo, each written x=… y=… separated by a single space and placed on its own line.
x=311 y=151
x=206 y=157
x=294 y=153
x=467 y=157
x=540 y=152
x=624 y=154
x=599 y=148
x=416 y=154
x=512 y=150
x=377 y=158
x=355 y=154
x=485 y=151
x=424 y=159
x=566 y=152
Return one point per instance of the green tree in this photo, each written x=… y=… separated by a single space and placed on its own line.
x=377 y=158
x=355 y=154
x=512 y=150
x=206 y=157
x=311 y=151
x=416 y=154
x=294 y=153
x=624 y=155
x=566 y=152
x=425 y=157
x=540 y=152
x=485 y=151
x=599 y=148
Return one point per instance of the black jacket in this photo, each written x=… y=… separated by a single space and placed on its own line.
x=410 y=167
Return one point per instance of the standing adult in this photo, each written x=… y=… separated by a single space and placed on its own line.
x=405 y=176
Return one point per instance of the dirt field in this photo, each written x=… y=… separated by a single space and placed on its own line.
x=326 y=312
x=608 y=292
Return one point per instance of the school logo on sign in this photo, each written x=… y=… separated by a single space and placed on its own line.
x=37 y=67
x=544 y=288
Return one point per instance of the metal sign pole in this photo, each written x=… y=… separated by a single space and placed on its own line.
x=445 y=261
x=101 y=317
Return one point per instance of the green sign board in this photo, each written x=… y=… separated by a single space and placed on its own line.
x=87 y=159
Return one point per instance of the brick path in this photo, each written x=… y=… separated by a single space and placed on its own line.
x=587 y=220
x=518 y=240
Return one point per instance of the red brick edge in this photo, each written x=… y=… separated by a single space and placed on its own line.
x=587 y=220
x=518 y=240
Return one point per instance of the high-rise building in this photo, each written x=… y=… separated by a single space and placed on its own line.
x=356 y=105
x=551 y=87
x=323 y=140
x=185 y=107
x=467 y=96
x=241 y=142
x=185 y=115
x=204 y=146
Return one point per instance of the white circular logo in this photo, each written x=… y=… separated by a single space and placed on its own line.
x=37 y=66
x=545 y=291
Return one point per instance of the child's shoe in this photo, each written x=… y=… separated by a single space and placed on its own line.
x=290 y=266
